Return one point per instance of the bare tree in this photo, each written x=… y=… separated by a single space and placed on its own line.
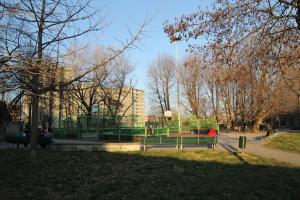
x=43 y=25
x=212 y=81
x=233 y=21
x=252 y=39
x=161 y=75
x=250 y=84
x=230 y=23
x=116 y=88
x=84 y=91
x=110 y=85
x=191 y=74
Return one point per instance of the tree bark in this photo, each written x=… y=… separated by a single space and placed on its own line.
x=258 y=121
x=1 y=130
x=34 y=124
x=29 y=111
x=50 y=116
x=35 y=97
x=217 y=102
x=60 y=107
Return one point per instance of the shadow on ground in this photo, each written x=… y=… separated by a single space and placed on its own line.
x=103 y=175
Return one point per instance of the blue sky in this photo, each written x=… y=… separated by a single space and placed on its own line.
x=130 y=13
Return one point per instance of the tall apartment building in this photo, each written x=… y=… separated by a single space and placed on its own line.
x=135 y=101
x=57 y=100
x=65 y=105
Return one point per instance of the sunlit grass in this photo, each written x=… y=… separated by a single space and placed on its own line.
x=289 y=142
x=216 y=156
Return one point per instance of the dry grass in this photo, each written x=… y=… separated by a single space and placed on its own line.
x=288 y=142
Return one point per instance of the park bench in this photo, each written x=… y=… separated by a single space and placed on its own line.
x=21 y=138
x=15 y=135
x=24 y=139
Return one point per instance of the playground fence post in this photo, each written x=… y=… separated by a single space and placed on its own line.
x=181 y=145
x=168 y=132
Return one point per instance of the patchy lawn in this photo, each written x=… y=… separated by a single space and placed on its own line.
x=149 y=175
x=289 y=142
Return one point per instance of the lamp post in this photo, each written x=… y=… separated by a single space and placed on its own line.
x=177 y=85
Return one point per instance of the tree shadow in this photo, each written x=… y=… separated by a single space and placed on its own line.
x=234 y=151
x=104 y=175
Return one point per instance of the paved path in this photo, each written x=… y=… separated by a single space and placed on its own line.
x=255 y=145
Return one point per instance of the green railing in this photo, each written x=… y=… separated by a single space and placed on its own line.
x=125 y=131
x=193 y=125
x=93 y=133
x=179 y=142
x=148 y=137
x=89 y=128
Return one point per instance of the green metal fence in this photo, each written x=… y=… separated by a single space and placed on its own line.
x=193 y=125
x=179 y=142
x=95 y=127
x=95 y=133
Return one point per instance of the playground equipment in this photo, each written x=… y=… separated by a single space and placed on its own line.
x=92 y=126
x=194 y=133
x=95 y=127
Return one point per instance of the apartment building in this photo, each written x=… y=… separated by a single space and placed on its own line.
x=62 y=105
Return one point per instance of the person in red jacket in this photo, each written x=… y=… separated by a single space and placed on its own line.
x=212 y=132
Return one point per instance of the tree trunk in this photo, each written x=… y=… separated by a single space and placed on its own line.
x=217 y=102
x=298 y=114
x=1 y=130
x=89 y=116
x=35 y=81
x=258 y=121
x=51 y=102
x=60 y=107
x=34 y=125
x=213 y=99
x=29 y=111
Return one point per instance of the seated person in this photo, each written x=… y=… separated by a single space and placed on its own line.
x=44 y=138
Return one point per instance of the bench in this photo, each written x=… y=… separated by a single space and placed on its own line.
x=43 y=140
x=18 y=139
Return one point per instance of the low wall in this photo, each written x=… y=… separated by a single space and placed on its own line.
x=112 y=147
